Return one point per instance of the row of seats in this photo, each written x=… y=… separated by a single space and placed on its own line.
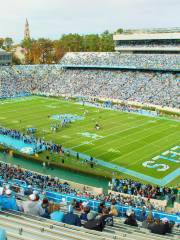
x=26 y=227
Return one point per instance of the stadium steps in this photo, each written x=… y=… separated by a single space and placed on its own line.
x=47 y=229
x=119 y=224
x=27 y=230
x=14 y=236
x=36 y=226
x=141 y=234
x=69 y=232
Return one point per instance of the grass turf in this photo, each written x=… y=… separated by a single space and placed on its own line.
x=125 y=139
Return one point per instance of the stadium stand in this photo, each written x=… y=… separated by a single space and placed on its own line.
x=23 y=225
x=127 y=85
x=144 y=61
x=24 y=178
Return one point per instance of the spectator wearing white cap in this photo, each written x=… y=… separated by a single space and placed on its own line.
x=166 y=225
x=130 y=220
x=32 y=206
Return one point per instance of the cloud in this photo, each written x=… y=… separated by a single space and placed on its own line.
x=53 y=18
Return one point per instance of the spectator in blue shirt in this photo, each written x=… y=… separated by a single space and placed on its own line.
x=8 y=201
x=56 y=214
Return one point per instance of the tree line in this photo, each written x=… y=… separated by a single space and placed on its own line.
x=47 y=51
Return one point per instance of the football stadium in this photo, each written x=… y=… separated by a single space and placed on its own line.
x=90 y=146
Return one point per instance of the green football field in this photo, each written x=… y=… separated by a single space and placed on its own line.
x=145 y=145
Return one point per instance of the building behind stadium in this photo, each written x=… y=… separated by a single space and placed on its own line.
x=148 y=41
x=5 y=57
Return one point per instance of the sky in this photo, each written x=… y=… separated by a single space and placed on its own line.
x=52 y=18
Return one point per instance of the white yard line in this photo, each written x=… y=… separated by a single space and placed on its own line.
x=131 y=134
x=145 y=158
x=112 y=134
x=158 y=140
x=102 y=133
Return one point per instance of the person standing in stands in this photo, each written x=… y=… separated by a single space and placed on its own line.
x=113 y=210
x=45 y=207
x=71 y=218
x=100 y=207
x=3 y=235
x=149 y=220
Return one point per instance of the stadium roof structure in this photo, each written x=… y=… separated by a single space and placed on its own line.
x=152 y=30
x=118 y=68
x=147 y=36
x=148 y=40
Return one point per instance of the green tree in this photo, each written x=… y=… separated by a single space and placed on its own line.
x=72 y=42
x=46 y=50
x=27 y=44
x=119 y=31
x=58 y=50
x=92 y=43
x=107 y=43
x=8 y=42
x=1 y=42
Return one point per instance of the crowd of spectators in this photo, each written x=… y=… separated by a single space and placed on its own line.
x=136 y=190
x=33 y=180
x=39 y=144
x=126 y=86
x=17 y=135
x=147 y=61
x=149 y=191
x=11 y=83
x=109 y=84
x=150 y=45
x=76 y=213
